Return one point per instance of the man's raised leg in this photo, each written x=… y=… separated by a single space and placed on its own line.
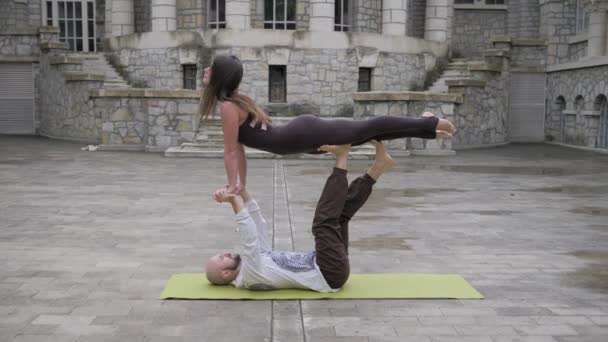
x=329 y=245
x=360 y=189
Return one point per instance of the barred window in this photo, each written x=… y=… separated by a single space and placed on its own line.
x=277 y=83
x=342 y=16
x=365 y=79
x=280 y=14
x=216 y=17
x=189 y=76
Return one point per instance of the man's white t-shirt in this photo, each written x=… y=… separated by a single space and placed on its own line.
x=265 y=269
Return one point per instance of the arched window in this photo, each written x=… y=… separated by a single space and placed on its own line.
x=601 y=105
x=579 y=104
x=560 y=106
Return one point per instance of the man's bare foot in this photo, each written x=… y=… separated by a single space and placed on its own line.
x=445 y=129
x=382 y=158
x=336 y=149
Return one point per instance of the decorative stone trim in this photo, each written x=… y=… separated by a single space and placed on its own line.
x=64 y=60
x=465 y=83
x=140 y=92
x=529 y=42
x=54 y=46
x=480 y=7
x=579 y=38
x=23 y=32
x=528 y=69
x=77 y=76
x=406 y=96
x=591 y=113
x=48 y=29
x=18 y=59
x=485 y=67
x=496 y=53
x=588 y=63
x=569 y=112
x=501 y=39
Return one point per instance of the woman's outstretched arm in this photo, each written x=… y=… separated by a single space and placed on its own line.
x=232 y=151
x=242 y=168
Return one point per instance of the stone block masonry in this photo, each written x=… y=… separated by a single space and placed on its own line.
x=473 y=29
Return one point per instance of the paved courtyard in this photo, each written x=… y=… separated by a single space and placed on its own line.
x=89 y=239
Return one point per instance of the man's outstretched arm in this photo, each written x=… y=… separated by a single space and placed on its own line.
x=258 y=218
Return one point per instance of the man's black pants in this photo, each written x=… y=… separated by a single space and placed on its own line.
x=337 y=205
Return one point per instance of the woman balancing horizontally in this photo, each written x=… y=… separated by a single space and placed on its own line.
x=245 y=124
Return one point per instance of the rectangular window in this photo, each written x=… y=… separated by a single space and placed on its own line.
x=189 y=76
x=582 y=17
x=277 y=83
x=495 y=2
x=341 y=16
x=280 y=14
x=461 y=2
x=365 y=79
x=216 y=17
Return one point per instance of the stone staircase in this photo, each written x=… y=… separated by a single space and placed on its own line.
x=457 y=69
x=96 y=63
x=209 y=143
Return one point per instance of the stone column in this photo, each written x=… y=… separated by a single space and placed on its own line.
x=322 y=15
x=437 y=23
x=597 y=33
x=163 y=15
x=122 y=17
x=238 y=13
x=394 y=14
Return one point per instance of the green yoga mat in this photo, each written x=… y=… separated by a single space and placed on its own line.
x=359 y=286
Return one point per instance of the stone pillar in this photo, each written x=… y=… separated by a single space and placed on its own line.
x=238 y=13
x=322 y=15
x=122 y=17
x=394 y=16
x=597 y=33
x=437 y=23
x=163 y=15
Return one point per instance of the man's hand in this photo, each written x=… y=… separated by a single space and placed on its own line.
x=223 y=196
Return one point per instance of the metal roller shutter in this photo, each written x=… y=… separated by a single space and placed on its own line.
x=16 y=98
x=527 y=107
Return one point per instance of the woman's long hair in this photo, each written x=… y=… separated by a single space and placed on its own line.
x=226 y=76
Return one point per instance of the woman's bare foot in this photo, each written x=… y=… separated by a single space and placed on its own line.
x=382 y=162
x=335 y=149
x=445 y=129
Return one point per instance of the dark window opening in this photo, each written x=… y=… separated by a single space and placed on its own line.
x=280 y=14
x=365 y=79
x=277 y=83
x=189 y=76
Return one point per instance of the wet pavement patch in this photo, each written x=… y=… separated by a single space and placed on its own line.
x=516 y=170
x=595 y=211
x=381 y=242
x=572 y=189
x=594 y=276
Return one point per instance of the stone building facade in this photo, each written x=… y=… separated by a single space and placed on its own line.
x=311 y=56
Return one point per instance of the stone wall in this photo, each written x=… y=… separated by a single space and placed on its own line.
x=19 y=44
x=522 y=55
x=577 y=51
x=407 y=104
x=318 y=80
x=367 y=16
x=557 y=25
x=143 y=13
x=523 y=19
x=472 y=30
x=190 y=14
x=482 y=119
x=416 y=13
x=580 y=125
x=19 y=15
x=66 y=110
